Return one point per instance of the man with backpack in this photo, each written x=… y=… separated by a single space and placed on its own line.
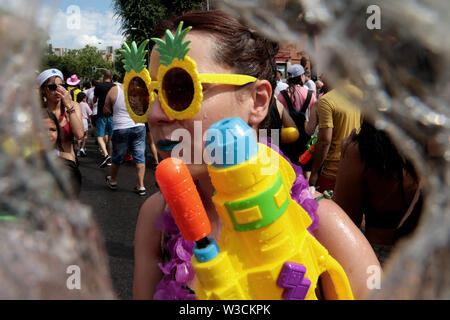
x=297 y=100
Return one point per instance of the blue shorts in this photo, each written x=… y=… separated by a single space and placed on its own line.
x=131 y=138
x=104 y=126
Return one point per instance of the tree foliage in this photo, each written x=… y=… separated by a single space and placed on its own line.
x=139 y=17
x=79 y=62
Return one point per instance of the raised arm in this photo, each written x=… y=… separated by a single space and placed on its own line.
x=323 y=141
x=311 y=123
x=110 y=101
x=73 y=111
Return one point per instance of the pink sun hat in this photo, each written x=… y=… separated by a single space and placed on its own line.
x=73 y=80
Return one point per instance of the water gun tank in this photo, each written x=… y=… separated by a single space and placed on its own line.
x=264 y=250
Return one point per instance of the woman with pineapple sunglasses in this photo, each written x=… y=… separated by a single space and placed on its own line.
x=233 y=76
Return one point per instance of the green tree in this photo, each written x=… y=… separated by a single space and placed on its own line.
x=79 y=62
x=139 y=17
x=50 y=60
x=118 y=64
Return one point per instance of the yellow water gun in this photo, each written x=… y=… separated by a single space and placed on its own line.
x=265 y=250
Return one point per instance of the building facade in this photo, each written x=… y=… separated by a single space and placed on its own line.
x=60 y=51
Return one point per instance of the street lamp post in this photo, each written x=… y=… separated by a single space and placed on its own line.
x=148 y=44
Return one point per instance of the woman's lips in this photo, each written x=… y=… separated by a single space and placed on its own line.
x=166 y=145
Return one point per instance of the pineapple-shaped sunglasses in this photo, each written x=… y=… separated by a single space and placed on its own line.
x=179 y=86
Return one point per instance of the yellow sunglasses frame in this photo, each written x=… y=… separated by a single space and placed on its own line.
x=190 y=67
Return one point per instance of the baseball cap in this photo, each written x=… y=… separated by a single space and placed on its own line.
x=295 y=70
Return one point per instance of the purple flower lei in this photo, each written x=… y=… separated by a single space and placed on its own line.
x=178 y=270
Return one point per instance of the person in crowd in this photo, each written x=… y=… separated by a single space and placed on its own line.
x=151 y=144
x=322 y=86
x=86 y=87
x=93 y=106
x=297 y=100
x=338 y=114
x=127 y=135
x=57 y=99
x=280 y=84
x=115 y=79
x=54 y=135
x=309 y=84
x=304 y=62
x=51 y=125
x=73 y=85
x=221 y=44
x=104 y=123
x=375 y=183
x=85 y=113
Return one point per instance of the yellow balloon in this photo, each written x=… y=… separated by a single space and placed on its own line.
x=289 y=135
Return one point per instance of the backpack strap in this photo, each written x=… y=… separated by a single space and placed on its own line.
x=307 y=101
x=288 y=101
x=290 y=105
x=72 y=93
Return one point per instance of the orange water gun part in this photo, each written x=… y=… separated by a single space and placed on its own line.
x=183 y=199
x=306 y=156
x=311 y=146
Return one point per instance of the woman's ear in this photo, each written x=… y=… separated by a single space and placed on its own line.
x=261 y=94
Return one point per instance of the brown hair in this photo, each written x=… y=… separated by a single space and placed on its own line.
x=107 y=75
x=47 y=114
x=237 y=46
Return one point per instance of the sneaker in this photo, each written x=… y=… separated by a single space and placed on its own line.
x=140 y=191
x=83 y=152
x=105 y=162
x=78 y=154
x=111 y=185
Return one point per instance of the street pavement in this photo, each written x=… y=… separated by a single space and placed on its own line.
x=116 y=212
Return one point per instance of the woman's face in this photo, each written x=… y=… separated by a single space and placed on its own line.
x=219 y=102
x=51 y=130
x=51 y=95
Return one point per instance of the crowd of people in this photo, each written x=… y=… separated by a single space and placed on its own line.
x=100 y=106
x=368 y=195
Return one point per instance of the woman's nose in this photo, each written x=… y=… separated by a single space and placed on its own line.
x=156 y=115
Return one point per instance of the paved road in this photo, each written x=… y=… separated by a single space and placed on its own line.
x=116 y=212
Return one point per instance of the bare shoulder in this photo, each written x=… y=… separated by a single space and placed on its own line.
x=147 y=248
x=152 y=208
x=350 y=148
x=346 y=243
x=334 y=222
x=112 y=92
x=147 y=237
